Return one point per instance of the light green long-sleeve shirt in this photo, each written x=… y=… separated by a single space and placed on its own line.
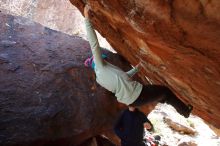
x=111 y=77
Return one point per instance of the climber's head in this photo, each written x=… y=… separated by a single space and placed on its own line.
x=132 y=108
x=89 y=62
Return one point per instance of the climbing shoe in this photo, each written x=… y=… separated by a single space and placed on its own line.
x=187 y=112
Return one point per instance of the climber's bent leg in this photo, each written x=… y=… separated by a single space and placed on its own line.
x=150 y=94
x=157 y=93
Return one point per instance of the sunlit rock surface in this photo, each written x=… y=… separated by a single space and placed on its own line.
x=178 y=42
x=58 y=15
x=50 y=13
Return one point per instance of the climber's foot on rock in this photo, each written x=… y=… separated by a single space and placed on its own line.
x=187 y=111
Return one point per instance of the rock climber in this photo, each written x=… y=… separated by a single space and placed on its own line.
x=117 y=81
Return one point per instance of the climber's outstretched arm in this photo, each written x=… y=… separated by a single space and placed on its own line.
x=134 y=70
x=93 y=41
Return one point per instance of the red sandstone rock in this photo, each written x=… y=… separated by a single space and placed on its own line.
x=178 y=41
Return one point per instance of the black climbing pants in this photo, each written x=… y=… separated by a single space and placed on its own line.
x=158 y=93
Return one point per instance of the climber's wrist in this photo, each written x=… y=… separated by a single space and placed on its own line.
x=86 y=11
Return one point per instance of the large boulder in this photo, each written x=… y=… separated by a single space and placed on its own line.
x=47 y=96
x=178 y=42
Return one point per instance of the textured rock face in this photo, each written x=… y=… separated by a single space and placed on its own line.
x=50 y=13
x=178 y=41
x=47 y=96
